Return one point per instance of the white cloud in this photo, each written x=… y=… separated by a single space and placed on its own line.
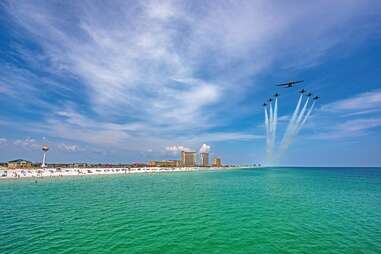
x=127 y=55
x=204 y=148
x=350 y=128
x=363 y=103
x=68 y=148
x=366 y=105
x=3 y=141
x=224 y=136
x=29 y=143
x=176 y=149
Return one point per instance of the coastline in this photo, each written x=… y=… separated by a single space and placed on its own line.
x=6 y=174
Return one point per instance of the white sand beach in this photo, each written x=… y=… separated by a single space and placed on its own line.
x=60 y=172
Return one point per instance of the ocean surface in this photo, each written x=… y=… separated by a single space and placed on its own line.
x=269 y=210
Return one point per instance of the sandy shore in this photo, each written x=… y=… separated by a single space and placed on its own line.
x=58 y=172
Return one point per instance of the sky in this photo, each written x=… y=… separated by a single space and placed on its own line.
x=130 y=81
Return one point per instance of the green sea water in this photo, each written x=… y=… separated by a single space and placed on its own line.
x=270 y=210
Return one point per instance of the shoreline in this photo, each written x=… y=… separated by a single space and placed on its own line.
x=8 y=174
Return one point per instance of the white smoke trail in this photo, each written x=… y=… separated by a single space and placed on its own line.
x=296 y=129
x=269 y=148
x=267 y=129
x=271 y=118
x=291 y=125
x=275 y=121
x=300 y=117
x=306 y=117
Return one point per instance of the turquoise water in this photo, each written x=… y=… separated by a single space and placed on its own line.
x=279 y=210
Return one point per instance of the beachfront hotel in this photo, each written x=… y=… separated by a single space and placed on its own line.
x=217 y=162
x=188 y=158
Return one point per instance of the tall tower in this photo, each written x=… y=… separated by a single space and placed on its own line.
x=188 y=158
x=45 y=149
x=204 y=159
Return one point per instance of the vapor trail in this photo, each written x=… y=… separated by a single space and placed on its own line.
x=275 y=121
x=306 y=117
x=271 y=118
x=291 y=124
x=301 y=115
x=267 y=128
x=270 y=147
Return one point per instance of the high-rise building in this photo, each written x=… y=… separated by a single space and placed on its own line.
x=188 y=159
x=217 y=162
x=204 y=159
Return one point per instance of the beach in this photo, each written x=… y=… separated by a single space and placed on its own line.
x=61 y=172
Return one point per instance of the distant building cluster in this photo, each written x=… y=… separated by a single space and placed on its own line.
x=189 y=158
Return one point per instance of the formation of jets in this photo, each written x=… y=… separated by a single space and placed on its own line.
x=290 y=84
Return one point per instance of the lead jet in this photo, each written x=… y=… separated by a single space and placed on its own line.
x=276 y=95
x=290 y=83
x=302 y=91
x=316 y=98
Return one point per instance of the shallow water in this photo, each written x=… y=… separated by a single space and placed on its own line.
x=273 y=210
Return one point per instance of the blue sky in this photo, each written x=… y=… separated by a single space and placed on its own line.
x=124 y=81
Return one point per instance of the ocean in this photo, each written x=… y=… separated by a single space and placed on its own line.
x=268 y=210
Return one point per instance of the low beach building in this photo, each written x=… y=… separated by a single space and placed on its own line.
x=164 y=163
x=19 y=163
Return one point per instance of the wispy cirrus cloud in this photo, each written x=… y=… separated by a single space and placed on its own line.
x=368 y=102
x=361 y=114
x=176 y=149
x=68 y=147
x=28 y=143
x=349 y=129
